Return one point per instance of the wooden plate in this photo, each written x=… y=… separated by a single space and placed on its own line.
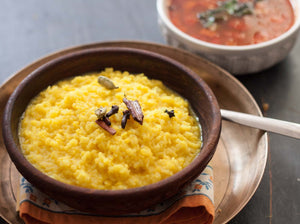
x=241 y=155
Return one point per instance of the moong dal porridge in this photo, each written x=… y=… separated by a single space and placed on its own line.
x=59 y=135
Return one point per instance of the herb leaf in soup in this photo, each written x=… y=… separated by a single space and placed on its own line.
x=225 y=9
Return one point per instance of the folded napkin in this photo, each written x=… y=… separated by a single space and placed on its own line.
x=194 y=206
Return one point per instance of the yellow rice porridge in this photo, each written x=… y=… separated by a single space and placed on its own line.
x=60 y=137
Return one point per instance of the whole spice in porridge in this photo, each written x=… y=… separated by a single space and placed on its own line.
x=126 y=116
x=106 y=82
x=107 y=128
x=135 y=109
x=114 y=110
x=106 y=120
x=102 y=118
x=171 y=113
x=100 y=112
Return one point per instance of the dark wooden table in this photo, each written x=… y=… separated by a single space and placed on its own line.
x=32 y=29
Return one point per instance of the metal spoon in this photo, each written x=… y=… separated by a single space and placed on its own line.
x=267 y=124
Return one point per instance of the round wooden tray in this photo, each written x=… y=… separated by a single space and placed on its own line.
x=241 y=155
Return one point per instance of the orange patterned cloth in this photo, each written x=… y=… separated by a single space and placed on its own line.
x=194 y=206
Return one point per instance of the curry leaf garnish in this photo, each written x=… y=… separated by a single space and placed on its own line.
x=226 y=9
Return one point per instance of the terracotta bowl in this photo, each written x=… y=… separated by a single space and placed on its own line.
x=113 y=202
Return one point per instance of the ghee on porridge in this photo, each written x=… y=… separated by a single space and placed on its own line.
x=60 y=137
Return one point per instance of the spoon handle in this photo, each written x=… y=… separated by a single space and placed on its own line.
x=267 y=124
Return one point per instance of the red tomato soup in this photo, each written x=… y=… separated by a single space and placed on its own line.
x=269 y=19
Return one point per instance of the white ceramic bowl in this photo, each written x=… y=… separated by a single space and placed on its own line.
x=236 y=59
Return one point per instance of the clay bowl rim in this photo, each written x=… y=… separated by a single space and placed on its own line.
x=26 y=168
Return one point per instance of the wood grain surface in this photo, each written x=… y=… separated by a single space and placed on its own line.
x=32 y=29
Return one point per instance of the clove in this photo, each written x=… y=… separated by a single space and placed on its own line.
x=126 y=116
x=170 y=113
x=135 y=109
x=114 y=110
x=106 y=120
